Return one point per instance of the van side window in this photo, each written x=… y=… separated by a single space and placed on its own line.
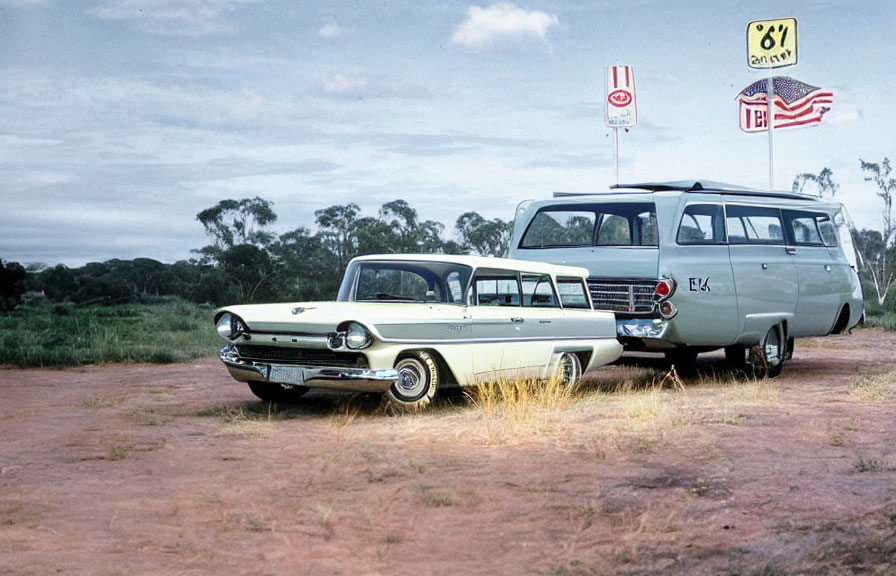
x=497 y=291
x=559 y=228
x=573 y=293
x=828 y=232
x=613 y=231
x=701 y=224
x=754 y=225
x=627 y=225
x=537 y=291
x=810 y=228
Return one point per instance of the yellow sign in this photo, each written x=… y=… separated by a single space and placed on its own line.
x=771 y=43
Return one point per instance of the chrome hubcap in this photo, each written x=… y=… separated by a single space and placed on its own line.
x=410 y=380
x=772 y=349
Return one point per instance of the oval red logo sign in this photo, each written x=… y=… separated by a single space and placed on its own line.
x=620 y=98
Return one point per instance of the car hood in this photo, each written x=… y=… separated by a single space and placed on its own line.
x=324 y=317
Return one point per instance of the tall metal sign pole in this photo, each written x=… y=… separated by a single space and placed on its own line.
x=771 y=44
x=622 y=110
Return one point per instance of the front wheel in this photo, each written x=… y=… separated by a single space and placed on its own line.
x=417 y=383
x=279 y=393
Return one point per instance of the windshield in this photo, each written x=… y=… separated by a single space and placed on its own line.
x=411 y=281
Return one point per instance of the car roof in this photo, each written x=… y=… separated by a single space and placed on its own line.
x=481 y=262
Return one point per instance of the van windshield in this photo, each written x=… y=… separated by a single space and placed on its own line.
x=610 y=224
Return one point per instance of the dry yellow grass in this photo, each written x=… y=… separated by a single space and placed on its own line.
x=515 y=407
x=874 y=388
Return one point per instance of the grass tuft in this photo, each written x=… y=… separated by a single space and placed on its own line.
x=874 y=388
x=515 y=407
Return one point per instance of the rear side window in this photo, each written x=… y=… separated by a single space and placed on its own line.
x=754 y=225
x=538 y=292
x=702 y=224
x=810 y=228
x=605 y=224
x=573 y=293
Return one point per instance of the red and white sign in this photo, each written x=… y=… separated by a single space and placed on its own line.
x=622 y=111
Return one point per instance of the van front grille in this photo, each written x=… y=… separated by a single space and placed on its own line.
x=634 y=296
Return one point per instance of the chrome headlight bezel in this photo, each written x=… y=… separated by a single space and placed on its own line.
x=357 y=337
x=230 y=326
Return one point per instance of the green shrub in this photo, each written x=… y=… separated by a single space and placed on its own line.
x=46 y=334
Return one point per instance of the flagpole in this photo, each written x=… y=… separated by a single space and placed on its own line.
x=770 y=120
x=616 y=154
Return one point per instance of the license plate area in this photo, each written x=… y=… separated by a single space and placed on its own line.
x=287 y=375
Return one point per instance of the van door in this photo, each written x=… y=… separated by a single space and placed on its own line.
x=705 y=294
x=765 y=276
x=822 y=279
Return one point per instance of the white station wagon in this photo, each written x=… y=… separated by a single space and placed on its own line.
x=407 y=325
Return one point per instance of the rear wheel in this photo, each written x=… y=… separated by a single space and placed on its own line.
x=768 y=358
x=280 y=393
x=417 y=383
x=569 y=369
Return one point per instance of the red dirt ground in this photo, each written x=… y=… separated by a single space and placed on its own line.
x=143 y=469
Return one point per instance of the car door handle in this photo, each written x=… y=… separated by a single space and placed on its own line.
x=790 y=250
x=516 y=319
x=827 y=267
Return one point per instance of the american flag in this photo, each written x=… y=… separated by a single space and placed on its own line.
x=795 y=104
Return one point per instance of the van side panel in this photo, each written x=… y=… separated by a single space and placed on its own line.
x=767 y=288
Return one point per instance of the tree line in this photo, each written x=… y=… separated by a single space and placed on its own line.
x=247 y=262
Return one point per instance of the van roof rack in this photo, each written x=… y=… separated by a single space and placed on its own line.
x=713 y=187
x=694 y=186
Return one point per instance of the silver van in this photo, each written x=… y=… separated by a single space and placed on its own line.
x=690 y=267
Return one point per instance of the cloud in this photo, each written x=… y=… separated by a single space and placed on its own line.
x=171 y=17
x=371 y=86
x=330 y=31
x=501 y=22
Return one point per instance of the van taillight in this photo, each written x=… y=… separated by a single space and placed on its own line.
x=664 y=288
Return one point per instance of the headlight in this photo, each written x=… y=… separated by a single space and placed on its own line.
x=229 y=326
x=356 y=337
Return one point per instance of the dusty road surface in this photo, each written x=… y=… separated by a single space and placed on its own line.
x=178 y=470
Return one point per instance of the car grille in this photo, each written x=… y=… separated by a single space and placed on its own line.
x=635 y=296
x=303 y=356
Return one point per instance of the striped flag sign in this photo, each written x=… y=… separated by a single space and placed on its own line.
x=622 y=111
x=795 y=104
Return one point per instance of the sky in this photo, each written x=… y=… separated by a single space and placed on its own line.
x=120 y=120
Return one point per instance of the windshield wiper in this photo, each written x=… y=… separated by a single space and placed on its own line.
x=393 y=297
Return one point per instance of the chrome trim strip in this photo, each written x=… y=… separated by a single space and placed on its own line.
x=445 y=341
x=336 y=378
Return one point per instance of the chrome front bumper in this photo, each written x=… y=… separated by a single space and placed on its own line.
x=335 y=378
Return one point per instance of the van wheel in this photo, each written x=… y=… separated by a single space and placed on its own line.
x=767 y=359
x=681 y=357
x=418 y=380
